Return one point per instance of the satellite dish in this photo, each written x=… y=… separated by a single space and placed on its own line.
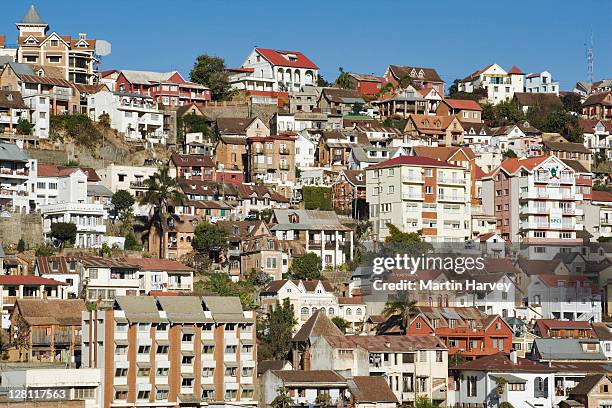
x=103 y=47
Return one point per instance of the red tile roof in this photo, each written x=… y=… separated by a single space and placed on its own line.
x=548 y=324
x=501 y=362
x=27 y=280
x=412 y=161
x=601 y=195
x=190 y=160
x=516 y=70
x=463 y=104
x=277 y=57
x=479 y=173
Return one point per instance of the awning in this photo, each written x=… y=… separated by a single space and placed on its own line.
x=510 y=379
x=187 y=375
x=247 y=342
x=123 y=342
x=162 y=342
x=188 y=330
x=162 y=387
x=189 y=398
x=208 y=342
x=188 y=353
x=208 y=386
x=143 y=364
x=231 y=363
x=121 y=387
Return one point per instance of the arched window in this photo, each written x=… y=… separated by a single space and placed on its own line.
x=304 y=311
x=314 y=310
x=297 y=76
x=330 y=311
x=540 y=389
x=279 y=75
x=349 y=312
x=358 y=311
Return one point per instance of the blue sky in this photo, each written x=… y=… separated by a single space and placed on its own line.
x=455 y=37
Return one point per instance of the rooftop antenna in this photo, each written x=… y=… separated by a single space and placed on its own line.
x=589 y=57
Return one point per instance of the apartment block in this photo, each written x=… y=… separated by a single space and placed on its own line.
x=271 y=161
x=497 y=84
x=420 y=194
x=105 y=278
x=172 y=351
x=534 y=200
x=16 y=179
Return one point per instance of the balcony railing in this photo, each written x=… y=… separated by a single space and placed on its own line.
x=451 y=180
x=412 y=196
x=283 y=151
x=451 y=197
x=412 y=178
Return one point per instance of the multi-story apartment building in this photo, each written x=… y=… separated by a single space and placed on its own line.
x=598 y=106
x=193 y=167
x=163 y=275
x=167 y=88
x=105 y=278
x=75 y=57
x=446 y=130
x=541 y=83
x=273 y=70
x=467 y=331
x=565 y=297
x=368 y=85
x=44 y=91
x=61 y=194
x=172 y=350
x=12 y=110
x=423 y=78
x=135 y=116
x=466 y=110
x=54 y=327
x=271 y=160
x=534 y=200
x=17 y=178
x=320 y=232
x=306 y=296
x=569 y=151
x=597 y=137
x=603 y=202
x=130 y=178
x=499 y=85
x=402 y=103
x=413 y=366
x=420 y=194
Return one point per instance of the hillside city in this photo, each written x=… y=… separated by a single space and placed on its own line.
x=263 y=236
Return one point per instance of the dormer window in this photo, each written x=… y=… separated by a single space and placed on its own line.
x=294 y=218
x=421 y=74
x=235 y=230
x=413 y=72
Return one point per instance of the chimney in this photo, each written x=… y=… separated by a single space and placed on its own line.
x=82 y=36
x=513 y=356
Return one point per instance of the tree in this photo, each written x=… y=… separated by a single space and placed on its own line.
x=105 y=250
x=323 y=400
x=344 y=80
x=63 y=232
x=209 y=239
x=356 y=108
x=506 y=112
x=275 y=332
x=454 y=88
x=162 y=192
x=506 y=404
x=395 y=122
x=44 y=250
x=24 y=127
x=282 y=399
x=306 y=266
x=317 y=198
x=401 y=305
x=406 y=81
x=322 y=82
x=340 y=323
x=571 y=102
x=20 y=336
x=21 y=245
x=488 y=113
x=123 y=202
x=131 y=243
x=509 y=154
x=104 y=120
x=191 y=123
x=424 y=402
x=210 y=72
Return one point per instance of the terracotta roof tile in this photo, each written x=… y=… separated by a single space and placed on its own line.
x=412 y=161
x=281 y=58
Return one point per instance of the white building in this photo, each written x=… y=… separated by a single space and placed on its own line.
x=62 y=269
x=272 y=70
x=163 y=275
x=129 y=178
x=565 y=297
x=491 y=380
x=420 y=194
x=492 y=302
x=541 y=83
x=135 y=116
x=304 y=151
x=105 y=278
x=306 y=296
x=60 y=383
x=17 y=178
x=499 y=84
x=412 y=365
x=61 y=194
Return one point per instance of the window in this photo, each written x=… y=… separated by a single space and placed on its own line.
x=428 y=172
x=439 y=356
x=121 y=395
x=54 y=43
x=540 y=389
x=144 y=349
x=187 y=360
x=516 y=387
x=187 y=382
x=162 y=349
x=121 y=372
x=472 y=382
x=54 y=59
x=391 y=189
x=143 y=372
x=428 y=190
x=162 y=372
x=187 y=337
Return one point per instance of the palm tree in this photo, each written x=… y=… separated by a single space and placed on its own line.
x=162 y=192
x=401 y=305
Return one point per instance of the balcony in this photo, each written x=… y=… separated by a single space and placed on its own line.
x=412 y=196
x=605 y=221
x=283 y=166
x=457 y=181
x=283 y=151
x=412 y=178
x=18 y=173
x=457 y=198
x=40 y=338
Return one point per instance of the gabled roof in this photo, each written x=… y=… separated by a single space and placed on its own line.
x=183 y=309
x=429 y=74
x=28 y=280
x=598 y=98
x=604 y=196
x=443 y=154
x=225 y=309
x=544 y=325
x=47 y=312
x=501 y=362
x=537 y=99
x=317 y=325
x=515 y=71
x=191 y=160
x=585 y=385
x=45 y=264
x=153 y=264
x=339 y=95
x=567 y=349
x=11 y=152
x=11 y=100
x=310 y=376
x=566 y=147
x=371 y=389
x=367 y=77
x=294 y=59
x=463 y=104
x=139 y=309
x=538 y=267
x=234 y=125
x=355 y=177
